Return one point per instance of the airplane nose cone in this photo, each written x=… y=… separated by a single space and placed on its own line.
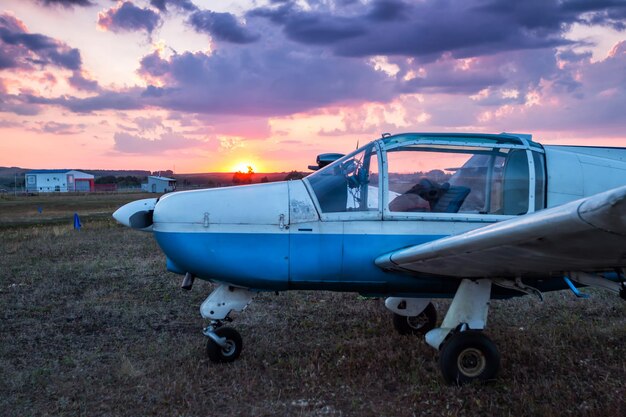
x=136 y=214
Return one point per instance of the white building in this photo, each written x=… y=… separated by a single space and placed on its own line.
x=159 y=184
x=58 y=180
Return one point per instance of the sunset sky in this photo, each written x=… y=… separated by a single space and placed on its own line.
x=202 y=86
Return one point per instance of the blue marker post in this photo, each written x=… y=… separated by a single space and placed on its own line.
x=77 y=224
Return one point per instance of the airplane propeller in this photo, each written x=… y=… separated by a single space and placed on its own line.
x=137 y=214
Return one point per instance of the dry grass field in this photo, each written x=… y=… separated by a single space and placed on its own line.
x=59 y=208
x=92 y=325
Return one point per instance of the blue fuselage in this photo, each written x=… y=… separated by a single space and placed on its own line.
x=306 y=261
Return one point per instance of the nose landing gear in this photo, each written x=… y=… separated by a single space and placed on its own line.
x=224 y=344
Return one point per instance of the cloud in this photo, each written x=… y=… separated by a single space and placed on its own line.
x=127 y=143
x=606 y=13
x=80 y=82
x=20 y=49
x=221 y=26
x=16 y=104
x=66 y=3
x=388 y=10
x=479 y=64
x=249 y=127
x=261 y=81
x=427 y=30
x=106 y=100
x=148 y=123
x=126 y=17
x=61 y=128
x=183 y=5
x=595 y=107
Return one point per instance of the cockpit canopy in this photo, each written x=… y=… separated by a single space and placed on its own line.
x=435 y=173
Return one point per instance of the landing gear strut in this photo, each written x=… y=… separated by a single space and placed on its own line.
x=465 y=353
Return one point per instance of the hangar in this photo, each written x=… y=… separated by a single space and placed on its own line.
x=158 y=184
x=58 y=180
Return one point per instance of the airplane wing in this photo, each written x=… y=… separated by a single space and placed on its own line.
x=584 y=235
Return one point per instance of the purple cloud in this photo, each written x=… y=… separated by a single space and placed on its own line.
x=61 y=128
x=22 y=50
x=467 y=60
x=427 y=30
x=221 y=26
x=153 y=65
x=66 y=3
x=262 y=82
x=595 y=108
x=388 y=10
x=126 y=17
x=148 y=123
x=17 y=104
x=127 y=143
x=80 y=82
x=107 y=100
x=183 y=5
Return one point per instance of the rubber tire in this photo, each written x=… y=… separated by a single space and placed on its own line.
x=469 y=345
x=403 y=324
x=218 y=354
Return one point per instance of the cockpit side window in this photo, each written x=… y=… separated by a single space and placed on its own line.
x=349 y=184
x=429 y=178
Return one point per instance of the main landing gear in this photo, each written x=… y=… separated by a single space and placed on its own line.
x=465 y=353
x=224 y=344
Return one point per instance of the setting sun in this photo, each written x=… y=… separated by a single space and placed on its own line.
x=243 y=167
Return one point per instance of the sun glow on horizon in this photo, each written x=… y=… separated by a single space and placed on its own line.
x=244 y=166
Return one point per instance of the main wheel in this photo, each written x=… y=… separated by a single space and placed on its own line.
x=416 y=325
x=228 y=353
x=469 y=356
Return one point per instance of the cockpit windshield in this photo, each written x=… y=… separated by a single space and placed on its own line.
x=427 y=177
x=348 y=184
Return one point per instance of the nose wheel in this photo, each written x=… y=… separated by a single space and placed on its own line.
x=224 y=344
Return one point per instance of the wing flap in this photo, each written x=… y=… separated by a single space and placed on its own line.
x=587 y=234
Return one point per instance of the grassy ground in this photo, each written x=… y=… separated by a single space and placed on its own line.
x=92 y=325
x=59 y=208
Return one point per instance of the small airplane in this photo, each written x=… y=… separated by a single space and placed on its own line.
x=408 y=217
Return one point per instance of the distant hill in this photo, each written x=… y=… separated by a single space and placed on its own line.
x=11 y=171
x=203 y=179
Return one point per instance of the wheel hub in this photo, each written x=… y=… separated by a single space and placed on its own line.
x=229 y=349
x=417 y=322
x=471 y=362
